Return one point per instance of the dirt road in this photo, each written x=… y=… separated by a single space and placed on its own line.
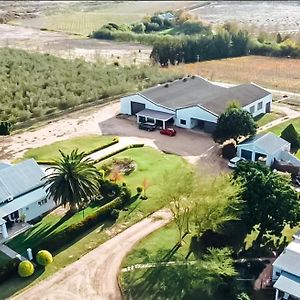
x=94 y=276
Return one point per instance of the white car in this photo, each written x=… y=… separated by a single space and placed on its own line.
x=234 y=161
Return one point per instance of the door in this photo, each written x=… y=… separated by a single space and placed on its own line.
x=268 y=107
x=246 y=154
x=137 y=107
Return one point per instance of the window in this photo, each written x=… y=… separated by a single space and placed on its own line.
x=182 y=122
x=259 y=105
x=252 y=109
x=42 y=202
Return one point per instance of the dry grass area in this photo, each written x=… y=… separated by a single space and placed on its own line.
x=269 y=72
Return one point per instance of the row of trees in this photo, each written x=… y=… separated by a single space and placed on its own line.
x=35 y=84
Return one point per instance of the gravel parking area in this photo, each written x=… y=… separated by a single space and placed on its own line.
x=196 y=146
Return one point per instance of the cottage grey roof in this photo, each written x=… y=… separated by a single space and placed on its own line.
x=196 y=90
x=19 y=179
x=288 y=283
x=155 y=114
x=268 y=142
x=22 y=201
x=288 y=261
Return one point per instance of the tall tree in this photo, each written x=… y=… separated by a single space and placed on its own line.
x=234 y=123
x=73 y=181
x=269 y=200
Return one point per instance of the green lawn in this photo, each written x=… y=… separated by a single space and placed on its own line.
x=3 y=258
x=262 y=120
x=151 y=164
x=84 y=143
x=279 y=128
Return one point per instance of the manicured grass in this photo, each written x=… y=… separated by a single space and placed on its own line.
x=84 y=143
x=151 y=164
x=279 y=128
x=4 y=258
x=161 y=240
x=262 y=120
x=49 y=225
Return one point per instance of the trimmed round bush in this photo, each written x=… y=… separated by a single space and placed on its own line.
x=44 y=258
x=139 y=189
x=115 y=214
x=25 y=268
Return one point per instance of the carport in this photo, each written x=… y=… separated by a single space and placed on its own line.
x=158 y=118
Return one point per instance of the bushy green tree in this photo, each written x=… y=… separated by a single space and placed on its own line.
x=269 y=200
x=291 y=135
x=234 y=123
x=138 y=28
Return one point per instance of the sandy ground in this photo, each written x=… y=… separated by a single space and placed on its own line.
x=94 y=276
x=70 y=46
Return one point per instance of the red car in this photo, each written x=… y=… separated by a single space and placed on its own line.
x=168 y=131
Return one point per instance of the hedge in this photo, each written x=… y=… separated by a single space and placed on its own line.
x=60 y=239
x=118 y=151
x=9 y=269
x=113 y=142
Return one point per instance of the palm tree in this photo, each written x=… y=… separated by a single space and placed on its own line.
x=74 y=180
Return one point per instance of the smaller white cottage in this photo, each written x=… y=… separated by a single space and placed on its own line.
x=22 y=194
x=286 y=271
x=264 y=147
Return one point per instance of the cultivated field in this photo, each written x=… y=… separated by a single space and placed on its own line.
x=270 y=72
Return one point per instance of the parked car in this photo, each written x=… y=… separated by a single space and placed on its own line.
x=234 y=161
x=168 y=131
x=147 y=126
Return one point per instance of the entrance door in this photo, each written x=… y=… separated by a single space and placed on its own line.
x=268 y=107
x=137 y=107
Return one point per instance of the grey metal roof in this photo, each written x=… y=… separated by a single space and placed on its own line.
x=288 y=283
x=268 y=142
x=155 y=114
x=20 y=179
x=198 y=91
x=22 y=201
x=288 y=261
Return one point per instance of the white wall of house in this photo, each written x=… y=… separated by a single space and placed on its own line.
x=126 y=104
x=188 y=113
x=36 y=209
x=260 y=106
x=276 y=273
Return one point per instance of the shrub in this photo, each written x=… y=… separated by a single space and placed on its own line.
x=138 y=28
x=291 y=135
x=115 y=214
x=44 y=258
x=229 y=150
x=5 y=128
x=25 y=268
x=125 y=194
x=139 y=189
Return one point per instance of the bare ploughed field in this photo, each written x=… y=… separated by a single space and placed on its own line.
x=71 y=46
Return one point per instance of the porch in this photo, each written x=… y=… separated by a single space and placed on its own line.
x=160 y=119
x=10 y=230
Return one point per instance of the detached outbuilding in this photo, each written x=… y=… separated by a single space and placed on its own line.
x=193 y=102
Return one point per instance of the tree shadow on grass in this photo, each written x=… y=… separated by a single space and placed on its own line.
x=16 y=283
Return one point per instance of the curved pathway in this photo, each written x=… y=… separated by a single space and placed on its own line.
x=94 y=276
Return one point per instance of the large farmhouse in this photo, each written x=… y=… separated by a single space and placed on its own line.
x=193 y=102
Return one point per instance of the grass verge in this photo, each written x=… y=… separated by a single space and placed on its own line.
x=151 y=164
